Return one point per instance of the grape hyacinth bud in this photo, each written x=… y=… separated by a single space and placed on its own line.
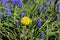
x=4 y=1
x=17 y=22
x=40 y=9
x=45 y=4
x=42 y=35
x=22 y=14
x=8 y=9
x=20 y=4
x=58 y=7
x=56 y=17
x=44 y=9
x=51 y=2
x=13 y=2
x=8 y=12
x=0 y=15
x=46 y=17
x=38 y=22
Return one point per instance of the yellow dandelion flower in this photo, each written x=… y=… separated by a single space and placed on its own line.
x=26 y=20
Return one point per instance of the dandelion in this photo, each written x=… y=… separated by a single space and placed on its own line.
x=26 y=20
x=0 y=15
x=58 y=7
x=42 y=35
x=38 y=22
x=56 y=17
x=46 y=16
x=40 y=9
x=17 y=22
x=22 y=14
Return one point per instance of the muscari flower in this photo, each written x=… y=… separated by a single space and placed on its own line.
x=13 y=2
x=0 y=15
x=44 y=9
x=42 y=35
x=56 y=17
x=51 y=2
x=46 y=17
x=40 y=9
x=20 y=3
x=7 y=8
x=45 y=4
x=26 y=20
x=22 y=14
x=38 y=22
x=58 y=7
x=4 y=1
x=17 y=22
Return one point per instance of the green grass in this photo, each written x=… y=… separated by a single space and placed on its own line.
x=31 y=32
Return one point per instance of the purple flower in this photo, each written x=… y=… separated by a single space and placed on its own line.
x=22 y=14
x=4 y=1
x=46 y=16
x=13 y=2
x=51 y=2
x=17 y=22
x=42 y=35
x=20 y=4
x=44 y=9
x=40 y=9
x=8 y=11
x=56 y=17
x=0 y=15
x=58 y=7
x=7 y=6
x=45 y=4
x=38 y=22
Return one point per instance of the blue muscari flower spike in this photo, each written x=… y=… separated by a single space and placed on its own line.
x=58 y=7
x=4 y=1
x=45 y=4
x=17 y=22
x=8 y=11
x=46 y=16
x=0 y=15
x=40 y=9
x=38 y=22
x=42 y=35
x=56 y=17
x=20 y=3
x=22 y=14
x=44 y=9
x=13 y=2
x=7 y=6
x=51 y=2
